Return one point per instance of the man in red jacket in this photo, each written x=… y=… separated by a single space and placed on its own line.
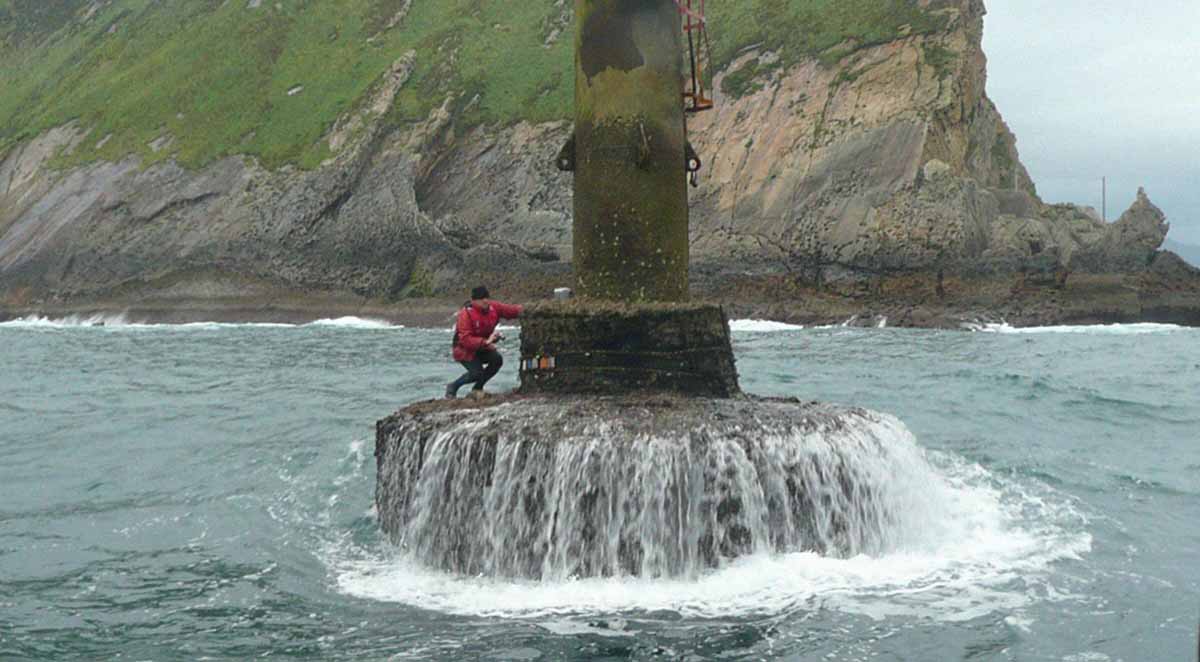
x=475 y=339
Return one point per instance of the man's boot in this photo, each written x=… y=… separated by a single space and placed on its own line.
x=451 y=391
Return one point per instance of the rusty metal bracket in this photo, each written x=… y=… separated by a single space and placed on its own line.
x=692 y=164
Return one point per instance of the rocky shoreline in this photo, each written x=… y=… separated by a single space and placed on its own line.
x=1170 y=296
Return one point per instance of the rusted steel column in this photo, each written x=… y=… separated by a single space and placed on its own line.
x=631 y=208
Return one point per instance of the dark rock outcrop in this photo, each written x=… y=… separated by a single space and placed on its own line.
x=1129 y=245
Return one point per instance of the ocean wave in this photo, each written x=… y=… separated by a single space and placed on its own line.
x=70 y=321
x=1148 y=485
x=355 y=323
x=857 y=322
x=121 y=321
x=1110 y=329
x=761 y=326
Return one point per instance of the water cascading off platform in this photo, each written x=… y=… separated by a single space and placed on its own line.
x=629 y=449
x=660 y=486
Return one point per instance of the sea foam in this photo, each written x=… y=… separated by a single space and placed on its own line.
x=761 y=326
x=121 y=321
x=1112 y=329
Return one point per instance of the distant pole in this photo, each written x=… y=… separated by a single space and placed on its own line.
x=1104 y=198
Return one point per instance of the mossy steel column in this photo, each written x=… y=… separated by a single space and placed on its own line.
x=631 y=213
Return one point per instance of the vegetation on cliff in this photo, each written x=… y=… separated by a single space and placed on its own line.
x=214 y=77
x=198 y=80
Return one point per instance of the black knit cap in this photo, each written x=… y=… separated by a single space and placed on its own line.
x=480 y=292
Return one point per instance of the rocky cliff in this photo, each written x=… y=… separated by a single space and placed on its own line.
x=872 y=154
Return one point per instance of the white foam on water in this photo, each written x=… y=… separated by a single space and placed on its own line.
x=355 y=323
x=121 y=321
x=761 y=326
x=1099 y=329
x=984 y=545
x=855 y=322
x=71 y=321
x=1020 y=622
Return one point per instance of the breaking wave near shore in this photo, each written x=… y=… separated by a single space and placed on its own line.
x=1083 y=329
x=121 y=321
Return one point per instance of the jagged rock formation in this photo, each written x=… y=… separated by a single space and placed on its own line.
x=894 y=160
x=885 y=160
x=860 y=162
x=1130 y=244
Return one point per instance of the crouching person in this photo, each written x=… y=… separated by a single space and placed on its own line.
x=475 y=339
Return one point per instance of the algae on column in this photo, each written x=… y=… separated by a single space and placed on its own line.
x=631 y=208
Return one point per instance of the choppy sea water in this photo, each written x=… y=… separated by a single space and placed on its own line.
x=205 y=492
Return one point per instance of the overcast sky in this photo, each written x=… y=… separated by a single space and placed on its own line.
x=1103 y=87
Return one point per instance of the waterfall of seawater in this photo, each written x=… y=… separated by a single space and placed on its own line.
x=553 y=492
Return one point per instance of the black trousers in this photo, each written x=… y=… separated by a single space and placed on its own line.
x=480 y=370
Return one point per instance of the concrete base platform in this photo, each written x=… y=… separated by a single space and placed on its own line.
x=559 y=487
x=580 y=347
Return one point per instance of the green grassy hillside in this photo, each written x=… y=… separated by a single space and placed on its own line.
x=32 y=20
x=215 y=74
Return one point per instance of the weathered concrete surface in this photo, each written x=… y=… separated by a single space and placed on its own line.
x=631 y=206
x=613 y=348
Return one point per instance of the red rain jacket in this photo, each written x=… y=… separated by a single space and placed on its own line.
x=475 y=327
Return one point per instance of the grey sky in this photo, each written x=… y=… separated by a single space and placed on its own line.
x=1103 y=87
